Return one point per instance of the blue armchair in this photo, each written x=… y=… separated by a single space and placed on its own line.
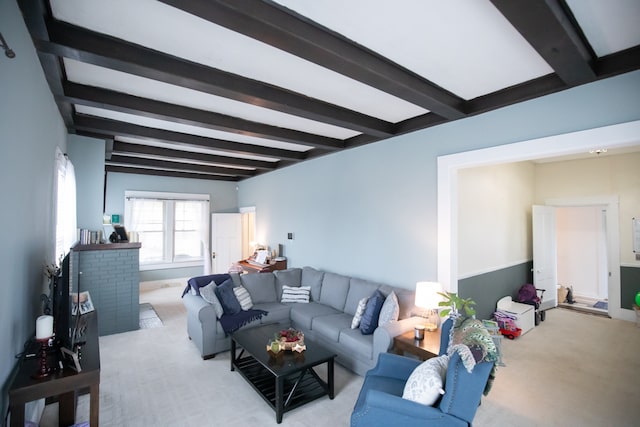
x=380 y=402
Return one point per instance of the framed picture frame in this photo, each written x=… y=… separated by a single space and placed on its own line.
x=71 y=359
x=83 y=301
x=108 y=230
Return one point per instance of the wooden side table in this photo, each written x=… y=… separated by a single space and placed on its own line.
x=66 y=384
x=424 y=349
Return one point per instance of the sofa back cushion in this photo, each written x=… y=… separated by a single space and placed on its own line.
x=312 y=278
x=358 y=289
x=406 y=300
x=261 y=287
x=290 y=277
x=335 y=288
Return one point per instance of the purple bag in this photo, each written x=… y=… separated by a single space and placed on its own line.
x=528 y=293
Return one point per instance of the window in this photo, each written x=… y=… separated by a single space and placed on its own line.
x=173 y=228
x=65 y=200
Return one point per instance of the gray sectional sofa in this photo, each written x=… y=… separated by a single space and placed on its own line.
x=326 y=318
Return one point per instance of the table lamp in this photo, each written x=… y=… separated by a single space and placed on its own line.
x=427 y=299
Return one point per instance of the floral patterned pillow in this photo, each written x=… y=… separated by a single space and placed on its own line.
x=425 y=382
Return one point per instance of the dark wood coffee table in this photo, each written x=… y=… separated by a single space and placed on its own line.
x=286 y=381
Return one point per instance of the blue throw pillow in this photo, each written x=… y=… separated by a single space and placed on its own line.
x=227 y=298
x=369 y=321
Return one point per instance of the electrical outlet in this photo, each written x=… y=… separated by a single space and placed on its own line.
x=290 y=236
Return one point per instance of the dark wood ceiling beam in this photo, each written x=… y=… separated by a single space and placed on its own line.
x=512 y=95
x=277 y=26
x=173 y=174
x=87 y=46
x=122 y=102
x=178 y=166
x=118 y=128
x=147 y=150
x=618 y=63
x=35 y=14
x=549 y=30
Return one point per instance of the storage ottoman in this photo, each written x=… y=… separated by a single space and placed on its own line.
x=524 y=313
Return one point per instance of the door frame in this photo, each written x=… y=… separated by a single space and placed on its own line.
x=611 y=203
x=618 y=135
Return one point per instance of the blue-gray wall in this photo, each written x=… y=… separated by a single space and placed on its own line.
x=30 y=129
x=371 y=212
x=87 y=156
x=487 y=288
x=629 y=285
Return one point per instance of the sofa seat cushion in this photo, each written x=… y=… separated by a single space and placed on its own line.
x=277 y=312
x=303 y=314
x=354 y=342
x=221 y=332
x=334 y=290
x=261 y=287
x=330 y=326
x=358 y=289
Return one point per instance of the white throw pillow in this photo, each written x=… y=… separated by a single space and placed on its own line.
x=390 y=310
x=243 y=297
x=295 y=293
x=362 y=304
x=425 y=382
x=208 y=293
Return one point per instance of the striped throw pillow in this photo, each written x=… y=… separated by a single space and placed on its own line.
x=355 y=323
x=295 y=294
x=243 y=297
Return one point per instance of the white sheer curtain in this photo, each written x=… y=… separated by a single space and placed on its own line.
x=65 y=205
x=205 y=236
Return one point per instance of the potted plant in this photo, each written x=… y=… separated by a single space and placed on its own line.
x=458 y=308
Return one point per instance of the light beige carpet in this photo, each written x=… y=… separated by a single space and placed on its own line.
x=574 y=369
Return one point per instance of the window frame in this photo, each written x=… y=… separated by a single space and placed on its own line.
x=169 y=200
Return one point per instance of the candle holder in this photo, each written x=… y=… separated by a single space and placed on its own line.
x=43 y=370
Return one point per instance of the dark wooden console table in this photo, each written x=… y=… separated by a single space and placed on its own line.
x=64 y=384
x=262 y=268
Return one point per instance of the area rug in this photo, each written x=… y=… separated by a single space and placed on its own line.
x=603 y=305
x=148 y=317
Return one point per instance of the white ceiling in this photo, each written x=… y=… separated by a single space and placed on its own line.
x=285 y=81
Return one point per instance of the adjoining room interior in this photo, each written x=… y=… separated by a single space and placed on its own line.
x=392 y=144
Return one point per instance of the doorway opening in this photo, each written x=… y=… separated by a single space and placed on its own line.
x=583 y=256
x=248 y=220
x=618 y=135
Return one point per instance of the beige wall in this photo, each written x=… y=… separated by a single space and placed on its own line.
x=600 y=176
x=494 y=217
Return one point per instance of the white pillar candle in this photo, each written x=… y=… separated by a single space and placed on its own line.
x=44 y=327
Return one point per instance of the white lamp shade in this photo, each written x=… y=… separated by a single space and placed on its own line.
x=427 y=295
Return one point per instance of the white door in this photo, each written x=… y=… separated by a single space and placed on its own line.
x=226 y=241
x=545 y=254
